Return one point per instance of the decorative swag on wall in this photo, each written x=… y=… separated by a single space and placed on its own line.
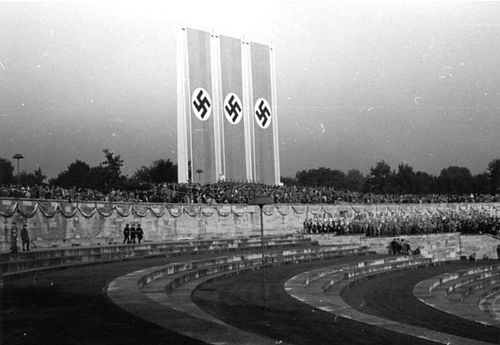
x=30 y=209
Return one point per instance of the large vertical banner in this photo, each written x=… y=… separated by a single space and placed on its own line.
x=182 y=100
x=227 y=123
x=201 y=119
x=265 y=154
x=234 y=157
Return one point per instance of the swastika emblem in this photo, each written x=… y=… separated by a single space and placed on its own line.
x=233 y=108
x=201 y=104
x=262 y=113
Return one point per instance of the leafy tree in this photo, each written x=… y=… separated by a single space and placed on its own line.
x=336 y=179
x=76 y=175
x=30 y=179
x=404 y=179
x=163 y=171
x=424 y=183
x=481 y=183
x=106 y=175
x=160 y=171
x=97 y=179
x=307 y=178
x=288 y=181
x=380 y=179
x=6 y=171
x=494 y=171
x=321 y=177
x=110 y=171
x=142 y=175
x=455 y=180
x=354 y=180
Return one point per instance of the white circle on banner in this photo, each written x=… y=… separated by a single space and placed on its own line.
x=262 y=113
x=201 y=104
x=233 y=109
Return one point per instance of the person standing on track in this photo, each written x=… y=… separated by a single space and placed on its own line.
x=13 y=238
x=139 y=233
x=132 y=234
x=25 y=237
x=126 y=235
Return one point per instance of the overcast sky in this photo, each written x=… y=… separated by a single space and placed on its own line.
x=357 y=82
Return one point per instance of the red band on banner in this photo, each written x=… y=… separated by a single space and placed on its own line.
x=232 y=93
x=262 y=114
x=201 y=122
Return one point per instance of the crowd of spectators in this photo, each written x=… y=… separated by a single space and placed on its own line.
x=479 y=223
x=233 y=193
x=242 y=193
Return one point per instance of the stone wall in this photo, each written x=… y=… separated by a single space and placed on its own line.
x=481 y=245
x=59 y=224
x=449 y=246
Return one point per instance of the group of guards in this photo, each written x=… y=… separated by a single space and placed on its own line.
x=131 y=233
x=399 y=246
x=25 y=238
x=334 y=226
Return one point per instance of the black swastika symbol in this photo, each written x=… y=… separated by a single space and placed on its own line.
x=202 y=104
x=263 y=113
x=233 y=109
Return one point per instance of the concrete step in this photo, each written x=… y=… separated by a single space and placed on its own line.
x=460 y=293
x=332 y=302
x=174 y=275
x=137 y=288
x=360 y=274
x=490 y=302
x=353 y=269
x=475 y=284
x=446 y=284
x=161 y=246
x=26 y=263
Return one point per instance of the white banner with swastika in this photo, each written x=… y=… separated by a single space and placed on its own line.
x=265 y=146
x=227 y=121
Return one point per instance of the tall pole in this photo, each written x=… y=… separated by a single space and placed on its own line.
x=261 y=200
x=18 y=156
x=263 y=263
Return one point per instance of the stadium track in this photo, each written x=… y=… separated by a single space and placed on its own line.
x=387 y=296
x=71 y=307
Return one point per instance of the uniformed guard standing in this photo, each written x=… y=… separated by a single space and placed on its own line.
x=25 y=237
x=140 y=233
x=126 y=234
x=13 y=238
x=132 y=234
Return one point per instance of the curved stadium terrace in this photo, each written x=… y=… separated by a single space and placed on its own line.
x=198 y=278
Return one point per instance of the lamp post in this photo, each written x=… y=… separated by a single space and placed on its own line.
x=261 y=200
x=199 y=172
x=18 y=156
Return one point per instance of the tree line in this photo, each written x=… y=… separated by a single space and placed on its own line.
x=381 y=179
x=106 y=175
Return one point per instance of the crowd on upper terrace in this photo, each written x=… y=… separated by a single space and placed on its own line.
x=463 y=222
x=233 y=193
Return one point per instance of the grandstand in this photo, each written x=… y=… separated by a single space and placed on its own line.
x=198 y=261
